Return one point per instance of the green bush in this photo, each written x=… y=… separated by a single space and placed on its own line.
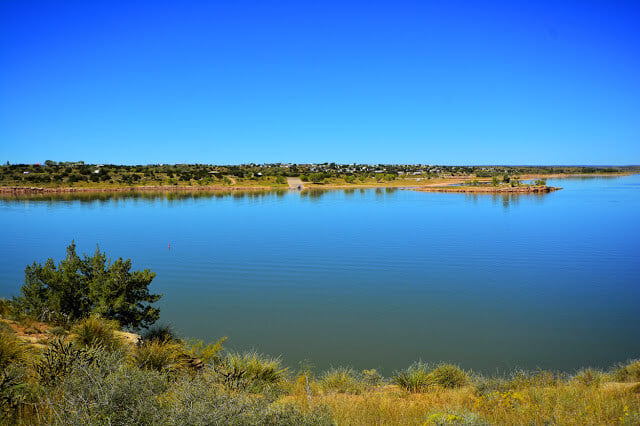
x=121 y=395
x=15 y=394
x=202 y=401
x=59 y=359
x=448 y=376
x=77 y=288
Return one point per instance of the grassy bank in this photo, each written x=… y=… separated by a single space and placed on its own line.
x=91 y=372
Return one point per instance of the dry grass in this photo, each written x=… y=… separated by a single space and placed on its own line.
x=537 y=401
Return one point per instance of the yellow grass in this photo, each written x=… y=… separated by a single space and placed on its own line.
x=564 y=403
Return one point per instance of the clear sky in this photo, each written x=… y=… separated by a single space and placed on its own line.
x=445 y=82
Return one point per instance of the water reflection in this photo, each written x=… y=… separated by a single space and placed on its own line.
x=104 y=197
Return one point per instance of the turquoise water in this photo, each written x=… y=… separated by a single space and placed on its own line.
x=371 y=278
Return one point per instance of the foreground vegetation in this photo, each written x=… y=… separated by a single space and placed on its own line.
x=53 y=174
x=88 y=372
x=77 y=366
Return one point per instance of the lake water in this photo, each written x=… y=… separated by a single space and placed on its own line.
x=371 y=278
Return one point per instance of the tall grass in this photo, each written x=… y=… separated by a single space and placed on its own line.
x=421 y=376
x=252 y=371
x=97 y=331
x=628 y=372
x=159 y=356
x=12 y=350
x=343 y=380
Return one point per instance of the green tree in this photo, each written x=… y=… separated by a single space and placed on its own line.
x=79 y=287
x=316 y=177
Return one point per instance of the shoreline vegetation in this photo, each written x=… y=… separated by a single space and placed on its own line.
x=68 y=356
x=78 y=177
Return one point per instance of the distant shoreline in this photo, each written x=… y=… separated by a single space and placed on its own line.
x=424 y=185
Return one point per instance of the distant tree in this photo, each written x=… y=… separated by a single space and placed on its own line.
x=316 y=177
x=79 y=287
x=495 y=181
x=505 y=178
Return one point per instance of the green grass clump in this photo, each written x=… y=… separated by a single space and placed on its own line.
x=96 y=331
x=342 y=380
x=413 y=379
x=159 y=356
x=420 y=376
x=251 y=371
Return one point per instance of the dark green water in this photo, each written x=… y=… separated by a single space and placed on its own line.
x=371 y=278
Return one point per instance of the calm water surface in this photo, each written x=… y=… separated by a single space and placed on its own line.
x=371 y=278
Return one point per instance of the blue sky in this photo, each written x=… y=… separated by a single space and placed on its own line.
x=395 y=82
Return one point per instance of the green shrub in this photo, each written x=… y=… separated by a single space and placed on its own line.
x=59 y=358
x=448 y=376
x=627 y=372
x=96 y=331
x=202 y=401
x=118 y=395
x=15 y=394
x=413 y=379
